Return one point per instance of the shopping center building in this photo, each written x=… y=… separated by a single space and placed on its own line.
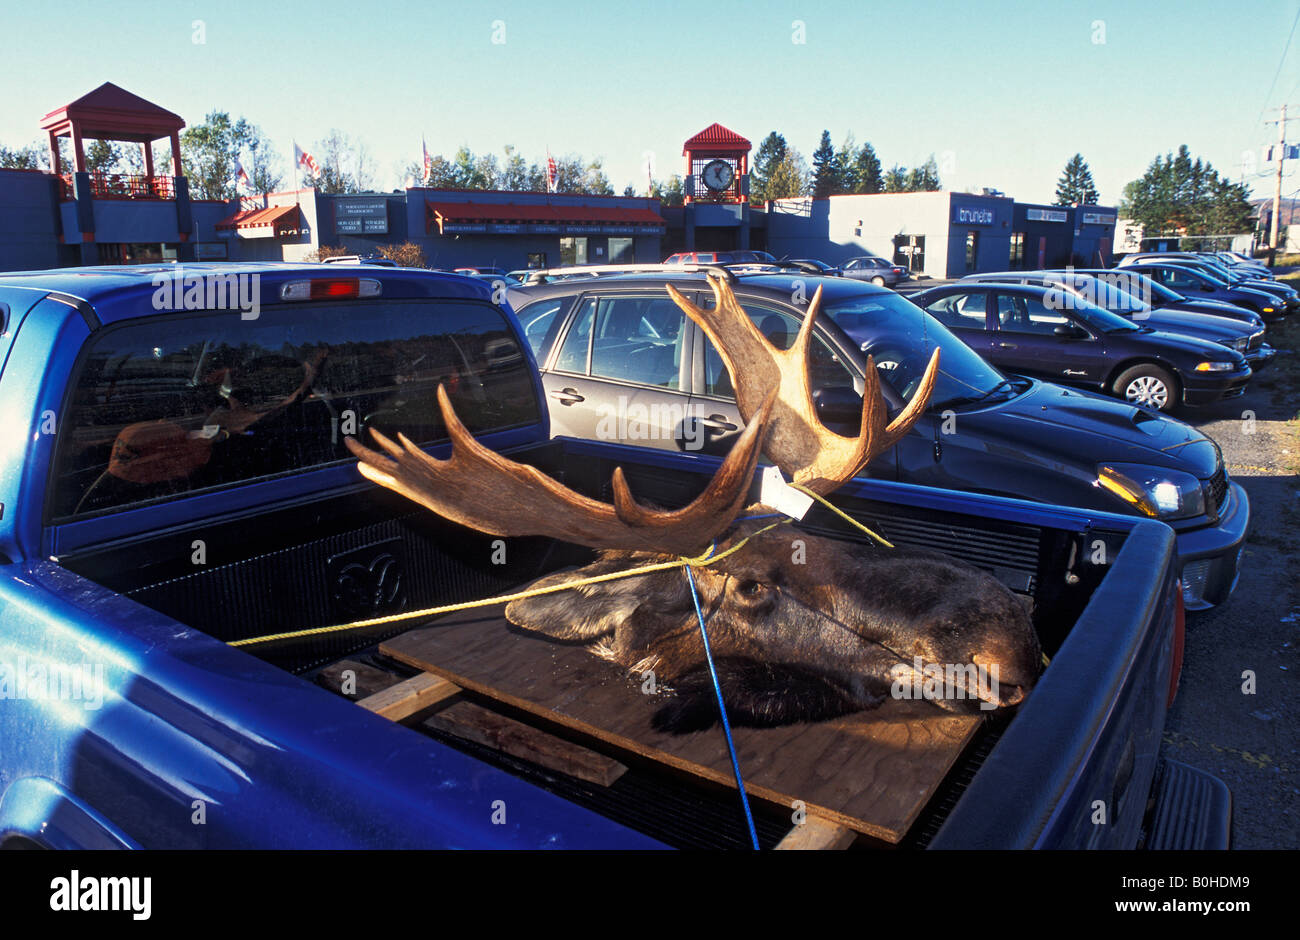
x=72 y=216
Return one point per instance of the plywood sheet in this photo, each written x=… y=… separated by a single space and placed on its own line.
x=872 y=771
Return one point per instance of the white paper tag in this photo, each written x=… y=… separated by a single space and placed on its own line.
x=781 y=496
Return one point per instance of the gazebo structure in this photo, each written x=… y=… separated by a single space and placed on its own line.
x=113 y=113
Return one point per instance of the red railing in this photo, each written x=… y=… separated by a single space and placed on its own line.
x=124 y=186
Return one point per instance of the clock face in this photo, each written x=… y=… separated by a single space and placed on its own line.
x=717 y=175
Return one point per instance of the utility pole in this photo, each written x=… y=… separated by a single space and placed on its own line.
x=1280 y=156
x=1277 y=186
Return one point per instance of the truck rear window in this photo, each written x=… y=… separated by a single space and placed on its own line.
x=177 y=404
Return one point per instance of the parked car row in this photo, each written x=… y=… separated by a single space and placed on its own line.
x=616 y=345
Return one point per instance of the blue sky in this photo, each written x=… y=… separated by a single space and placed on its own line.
x=1002 y=93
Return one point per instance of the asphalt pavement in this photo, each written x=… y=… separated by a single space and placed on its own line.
x=1250 y=739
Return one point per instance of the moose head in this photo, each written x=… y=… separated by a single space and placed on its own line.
x=798 y=631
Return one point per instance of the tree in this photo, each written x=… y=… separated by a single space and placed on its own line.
x=345 y=165
x=844 y=161
x=208 y=154
x=1075 y=185
x=1181 y=196
x=826 y=169
x=789 y=177
x=671 y=193
x=265 y=171
x=769 y=156
x=896 y=179
x=924 y=178
x=407 y=254
x=514 y=170
x=865 y=171
x=24 y=158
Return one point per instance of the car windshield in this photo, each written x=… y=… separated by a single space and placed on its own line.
x=1089 y=313
x=902 y=336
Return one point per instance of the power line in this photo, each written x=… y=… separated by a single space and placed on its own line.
x=1280 y=64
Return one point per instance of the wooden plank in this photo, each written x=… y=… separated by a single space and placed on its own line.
x=817 y=834
x=406 y=698
x=872 y=772
x=474 y=723
x=365 y=680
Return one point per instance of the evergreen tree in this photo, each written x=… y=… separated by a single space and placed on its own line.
x=770 y=154
x=866 y=171
x=924 y=178
x=1075 y=184
x=896 y=179
x=826 y=169
x=1179 y=195
x=789 y=177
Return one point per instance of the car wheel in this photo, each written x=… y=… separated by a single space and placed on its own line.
x=878 y=281
x=1148 y=385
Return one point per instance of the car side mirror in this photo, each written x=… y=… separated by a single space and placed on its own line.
x=1207 y=288
x=1070 y=331
x=839 y=405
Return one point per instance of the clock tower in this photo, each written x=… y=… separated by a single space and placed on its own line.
x=717 y=166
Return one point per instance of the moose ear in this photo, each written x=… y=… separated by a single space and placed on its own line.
x=581 y=614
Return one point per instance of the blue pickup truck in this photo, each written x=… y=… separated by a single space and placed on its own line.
x=174 y=479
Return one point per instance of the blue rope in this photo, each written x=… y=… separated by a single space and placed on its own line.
x=722 y=709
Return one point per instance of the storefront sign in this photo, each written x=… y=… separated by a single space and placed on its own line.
x=357 y=216
x=1098 y=218
x=210 y=251
x=968 y=216
x=1047 y=215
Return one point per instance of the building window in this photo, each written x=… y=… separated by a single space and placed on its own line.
x=620 y=251
x=573 y=251
x=972 y=250
x=537 y=260
x=1017 y=261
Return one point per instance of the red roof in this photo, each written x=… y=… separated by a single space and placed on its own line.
x=717 y=137
x=544 y=213
x=279 y=219
x=113 y=113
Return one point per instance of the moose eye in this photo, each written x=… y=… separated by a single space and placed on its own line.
x=750 y=589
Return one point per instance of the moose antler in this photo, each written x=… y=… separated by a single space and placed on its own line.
x=481 y=489
x=798 y=442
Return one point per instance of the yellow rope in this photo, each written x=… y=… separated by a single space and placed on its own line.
x=697 y=561
x=843 y=515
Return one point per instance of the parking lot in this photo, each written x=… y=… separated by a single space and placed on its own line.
x=1248 y=740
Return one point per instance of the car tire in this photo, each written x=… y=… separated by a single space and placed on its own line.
x=878 y=281
x=1148 y=385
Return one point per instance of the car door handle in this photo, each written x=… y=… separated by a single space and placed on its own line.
x=718 y=423
x=1008 y=346
x=567 y=396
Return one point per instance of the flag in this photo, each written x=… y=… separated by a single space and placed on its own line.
x=305 y=160
x=428 y=162
x=552 y=174
x=241 y=176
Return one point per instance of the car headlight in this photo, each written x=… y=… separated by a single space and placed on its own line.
x=1240 y=343
x=1215 y=366
x=1154 y=491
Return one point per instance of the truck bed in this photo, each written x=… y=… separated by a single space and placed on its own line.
x=299 y=567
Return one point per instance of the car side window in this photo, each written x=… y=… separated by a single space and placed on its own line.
x=577 y=342
x=962 y=311
x=1020 y=314
x=1181 y=279
x=638 y=339
x=171 y=405
x=539 y=321
x=826 y=370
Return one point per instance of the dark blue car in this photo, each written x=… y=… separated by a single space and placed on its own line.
x=1051 y=334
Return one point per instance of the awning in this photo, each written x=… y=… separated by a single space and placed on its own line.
x=272 y=221
x=542 y=218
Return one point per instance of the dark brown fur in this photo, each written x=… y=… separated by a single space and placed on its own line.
x=792 y=642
